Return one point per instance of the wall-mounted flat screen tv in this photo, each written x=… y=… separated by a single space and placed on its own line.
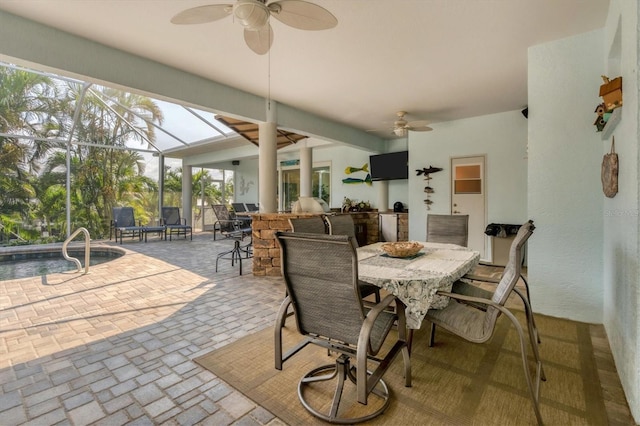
x=390 y=166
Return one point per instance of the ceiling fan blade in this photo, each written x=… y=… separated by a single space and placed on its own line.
x=418 y=123
x=202 y=14
x=259 y=41
x=420 y=129
x=302 y=15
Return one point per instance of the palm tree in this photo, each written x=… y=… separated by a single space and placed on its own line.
x=28 y=106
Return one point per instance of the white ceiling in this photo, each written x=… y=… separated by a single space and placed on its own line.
x=439 y=60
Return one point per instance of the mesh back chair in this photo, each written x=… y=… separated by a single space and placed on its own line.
x=448 y=229
x=465 y=286
x=321 y=275
x=316 y=225
x=463 y=318
x=227 y=225
x=342 y=224
x=252 y=207
x=124 y=223
x=174 y=224
x=312 y=225
x=239 y=207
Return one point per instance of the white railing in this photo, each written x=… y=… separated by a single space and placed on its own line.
x=87 y=249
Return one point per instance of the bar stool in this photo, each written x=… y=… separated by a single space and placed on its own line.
x=235 y=254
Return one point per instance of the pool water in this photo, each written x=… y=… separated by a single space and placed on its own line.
x=37 y=264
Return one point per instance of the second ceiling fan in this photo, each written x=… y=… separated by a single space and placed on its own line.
x=254 y=15
x=401 y=126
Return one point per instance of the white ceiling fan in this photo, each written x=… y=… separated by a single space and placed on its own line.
x=401 y=126
x=254 y=15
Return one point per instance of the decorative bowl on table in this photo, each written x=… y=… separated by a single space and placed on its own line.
x=402 y=249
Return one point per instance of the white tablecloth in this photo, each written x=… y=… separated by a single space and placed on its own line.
x=416 y=280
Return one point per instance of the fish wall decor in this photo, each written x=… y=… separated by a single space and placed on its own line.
x=366 y=180
x=350 y=169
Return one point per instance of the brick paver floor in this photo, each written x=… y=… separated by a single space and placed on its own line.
x=115 y=346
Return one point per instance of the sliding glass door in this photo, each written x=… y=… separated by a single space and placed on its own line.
x=289 y=187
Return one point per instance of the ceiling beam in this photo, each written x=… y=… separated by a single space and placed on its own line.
x=32 y=44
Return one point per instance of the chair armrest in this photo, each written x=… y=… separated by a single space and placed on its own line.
x=482 y=278
x=379 y=307
x=466 y=298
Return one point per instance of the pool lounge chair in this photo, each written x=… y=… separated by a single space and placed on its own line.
x=174 y=224
x=124 y=223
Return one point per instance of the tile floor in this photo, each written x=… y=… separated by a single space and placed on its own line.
x=115 y=347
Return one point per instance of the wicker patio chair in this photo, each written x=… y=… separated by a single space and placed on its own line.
x=463 y=318
x=321 y=276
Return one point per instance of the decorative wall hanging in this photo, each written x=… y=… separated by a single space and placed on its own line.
x=611 y=92
x=426 y=172
x=351 y=180
x=609 y=174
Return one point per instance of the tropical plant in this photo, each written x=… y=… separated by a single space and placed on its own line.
x=28 y=106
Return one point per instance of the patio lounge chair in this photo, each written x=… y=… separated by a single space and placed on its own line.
x=239 y=208
x=173 y=224
x=321 y=276
x=124 y=223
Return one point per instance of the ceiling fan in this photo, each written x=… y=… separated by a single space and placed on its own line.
x=401 y=126
x=254 y=15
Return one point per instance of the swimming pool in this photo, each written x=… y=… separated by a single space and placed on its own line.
x=23 y=263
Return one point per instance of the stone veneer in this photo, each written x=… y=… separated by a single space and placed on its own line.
x=266 y=253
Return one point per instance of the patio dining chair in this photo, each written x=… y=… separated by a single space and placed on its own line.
x=321 y=276
x=448 y=229
x=474 y=318
x=311 y=224
x=342 y=224
x=466 y=286
x=174 y=224
x=124 y=223
x=316 y=225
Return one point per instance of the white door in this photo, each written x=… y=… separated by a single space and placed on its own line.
x=468 y=197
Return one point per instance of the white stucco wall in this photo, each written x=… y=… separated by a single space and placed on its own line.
x=565 y=193
x=342 y=157
x=246 y=181
x=620 y=214
x=501 y=137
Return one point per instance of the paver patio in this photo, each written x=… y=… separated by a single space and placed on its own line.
x=115 y=346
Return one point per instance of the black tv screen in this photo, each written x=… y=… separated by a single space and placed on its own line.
x=390 y=166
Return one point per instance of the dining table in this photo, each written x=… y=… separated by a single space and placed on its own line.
x=416 y=279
